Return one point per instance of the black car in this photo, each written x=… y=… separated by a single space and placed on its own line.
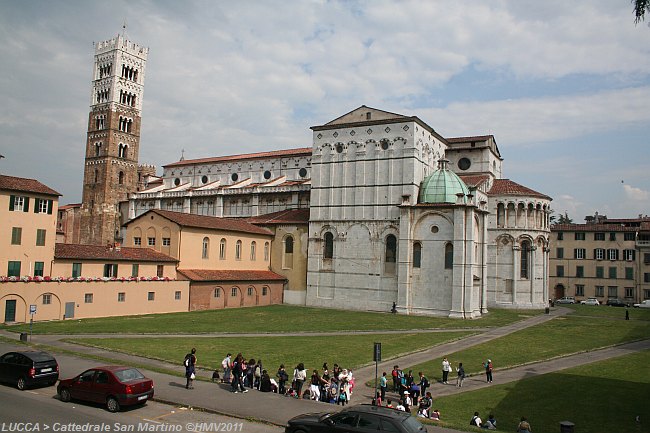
x=616 y=302
x=25 y=369
x=362 y=418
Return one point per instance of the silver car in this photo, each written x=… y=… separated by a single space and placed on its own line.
x=566 y=300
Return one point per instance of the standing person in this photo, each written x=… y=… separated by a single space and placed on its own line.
x=396 y=379
x=257 y=375
x=446 y=368
x=383 y=384
x=190 y=368
x=461 y=375
x=424 y=384
x=237 y=374
x=226 y=364
x=524 y=426
x=314 y=386
x=282 y=379
x=299 y=376
x=488 y=370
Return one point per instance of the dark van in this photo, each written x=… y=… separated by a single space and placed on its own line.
x=28 y=368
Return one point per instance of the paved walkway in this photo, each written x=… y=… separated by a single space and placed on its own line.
x=275 y=409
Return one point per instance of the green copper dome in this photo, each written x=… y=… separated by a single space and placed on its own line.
x=443 y=186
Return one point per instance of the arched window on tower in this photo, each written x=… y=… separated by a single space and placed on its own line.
x=96 y=176
x=417 y=255
x=328 y=249
x=98 y=148
x=391 y=255
x=120 y=178
x=525 y=260
x=449 y=256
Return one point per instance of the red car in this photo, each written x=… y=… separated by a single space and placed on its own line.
x=113 y=386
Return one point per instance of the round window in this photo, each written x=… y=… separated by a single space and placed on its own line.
x=267 y=175
x=234 y=177
x=177 y=181
x=464 y=163
x=384 y=144
x=339 y=148
x=434 y=229
x=302 y=172
x=204 y=179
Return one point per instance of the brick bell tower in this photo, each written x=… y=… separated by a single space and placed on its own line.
x=113 y=139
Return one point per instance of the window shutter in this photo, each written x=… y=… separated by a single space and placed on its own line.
x=575 y=253
x=595 y=253
x=37 y=204
x=26 y=208
x=49 y=206
x=12 y=198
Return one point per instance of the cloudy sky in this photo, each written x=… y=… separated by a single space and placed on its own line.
x=564 y=86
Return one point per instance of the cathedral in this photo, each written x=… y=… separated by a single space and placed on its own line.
x=380 y=212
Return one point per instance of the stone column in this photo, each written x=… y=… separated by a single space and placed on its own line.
x=516 y=259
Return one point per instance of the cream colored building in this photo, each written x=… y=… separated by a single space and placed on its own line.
x=604 y=258
x=28 y=213
x=220 y=256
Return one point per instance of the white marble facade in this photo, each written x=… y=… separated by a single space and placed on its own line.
x=372 y=242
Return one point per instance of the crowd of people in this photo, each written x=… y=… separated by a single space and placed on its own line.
x=331 y=386
x=335 y=386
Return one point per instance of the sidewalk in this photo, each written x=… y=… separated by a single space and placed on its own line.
x=275 y=409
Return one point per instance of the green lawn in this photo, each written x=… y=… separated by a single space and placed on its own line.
x=561 y=336
x=270 y=319
x=599 y=397
x=610 y=312
x=349 y=351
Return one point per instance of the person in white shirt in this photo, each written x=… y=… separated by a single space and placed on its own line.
x=446 y=368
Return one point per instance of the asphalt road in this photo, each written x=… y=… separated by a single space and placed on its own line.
x=39 y=409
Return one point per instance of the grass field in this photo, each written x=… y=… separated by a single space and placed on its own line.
x=271 y=319
x=599 y=397
x=349 y=351
x=561 y=336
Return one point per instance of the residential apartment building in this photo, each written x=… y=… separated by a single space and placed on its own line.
x=603 y=258
x=28 y=213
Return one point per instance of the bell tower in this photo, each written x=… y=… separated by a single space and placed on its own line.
x=113 y=138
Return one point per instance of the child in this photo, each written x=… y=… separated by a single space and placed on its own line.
x=343 y=396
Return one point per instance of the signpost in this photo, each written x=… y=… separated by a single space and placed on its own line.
x=32 y=311
x=376 y=356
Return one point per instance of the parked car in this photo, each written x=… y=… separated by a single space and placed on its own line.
x=362 y=418
x=113 y=386
x=590 y=301
x=643 y=304
x=616 y=302
x=566 y=300
x=28 y=368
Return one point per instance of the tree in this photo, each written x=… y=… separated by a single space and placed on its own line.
x=640 y=8
x=561 y=219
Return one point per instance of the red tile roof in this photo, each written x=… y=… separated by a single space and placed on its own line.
x=464 y=139
x=474 y=179
x=289 y=216
x=22 y=184
x=70 y=206
x=230 y=275
x=303 y=151
x=101 y=252
x=208 y=222
x=591 y=228
x=508 y=187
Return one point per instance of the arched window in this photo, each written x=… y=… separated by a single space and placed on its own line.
x=328 y=251
x=525 y=259
x=391 y=254
x=266 y=251
x=98 y=148
x=417 y=255
x=96 y=175
x=238 y=250
x=253 y=250
x=121 y=178
x=206 y=248
x=287 y=259
x=449 y=256
x=222 y=249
